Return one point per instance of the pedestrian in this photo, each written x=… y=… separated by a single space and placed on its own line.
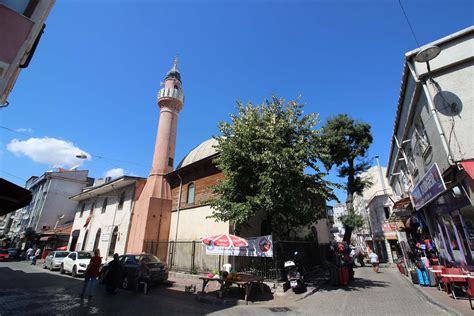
x=360 y=258
x=143 y=277
x=91 y=274
x=374 y=260
x=29 y=253
x=114 y=271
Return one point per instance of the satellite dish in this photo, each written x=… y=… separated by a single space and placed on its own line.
x=427 y=54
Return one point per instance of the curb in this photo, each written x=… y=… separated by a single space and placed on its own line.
x=430 y=299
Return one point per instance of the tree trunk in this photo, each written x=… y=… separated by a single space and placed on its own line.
x=350 y=197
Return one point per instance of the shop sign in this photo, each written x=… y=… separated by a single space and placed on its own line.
x=261 y=246
x=428 y=188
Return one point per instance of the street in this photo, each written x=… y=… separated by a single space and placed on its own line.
x=26 y=289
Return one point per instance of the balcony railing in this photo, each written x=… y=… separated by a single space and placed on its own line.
x=171 y=93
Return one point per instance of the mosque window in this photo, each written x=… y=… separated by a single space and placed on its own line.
x=191 y=189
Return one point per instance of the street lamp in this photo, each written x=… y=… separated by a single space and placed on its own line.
x=81 y=156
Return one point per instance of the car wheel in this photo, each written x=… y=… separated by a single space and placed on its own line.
x=61 y=269
x=74 y=272
x=125 y=283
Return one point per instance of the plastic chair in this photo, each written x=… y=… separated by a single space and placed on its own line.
x=470 y=291
x=455 y=281
x=438 y=275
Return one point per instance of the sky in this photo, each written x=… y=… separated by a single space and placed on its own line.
x=92 y=84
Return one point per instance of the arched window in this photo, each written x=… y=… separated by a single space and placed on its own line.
x=82 y=209
x=92 y=208
x=113 y=241
x=84 y=241
x=121 y=201
x=97 y=239
x=190 y=199
x=104 y=206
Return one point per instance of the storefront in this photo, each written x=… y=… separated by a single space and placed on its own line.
x=449 y=215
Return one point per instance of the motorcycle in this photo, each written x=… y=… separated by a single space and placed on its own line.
x=294 y=276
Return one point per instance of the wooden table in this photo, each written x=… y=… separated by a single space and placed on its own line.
x=245 y=281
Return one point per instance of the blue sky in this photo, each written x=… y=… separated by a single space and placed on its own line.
x=94 y=77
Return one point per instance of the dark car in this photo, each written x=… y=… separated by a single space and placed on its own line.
x=130 y=266
x=13 y=254
x=4 y=254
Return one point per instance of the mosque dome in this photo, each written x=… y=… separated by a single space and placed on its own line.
x=202 y=151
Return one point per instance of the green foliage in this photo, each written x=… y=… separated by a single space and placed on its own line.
x=346 y=143
x=269 y=154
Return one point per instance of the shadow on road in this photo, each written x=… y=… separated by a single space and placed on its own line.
x=37 y=292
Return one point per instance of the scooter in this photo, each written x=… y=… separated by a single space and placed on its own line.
x=294 y=276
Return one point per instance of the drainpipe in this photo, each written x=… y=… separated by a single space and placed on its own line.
x=113 y=224
x=177 y=216
x=132 y=208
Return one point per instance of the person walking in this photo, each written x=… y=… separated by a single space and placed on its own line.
x=91 y=274
x=143 y=277
x=113 y=275
x=374 y=260
x=29 y=253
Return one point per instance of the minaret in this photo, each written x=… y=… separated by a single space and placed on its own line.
x=152 y=211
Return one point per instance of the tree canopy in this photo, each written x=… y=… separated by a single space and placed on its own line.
x=268 y=155
x=347 y=142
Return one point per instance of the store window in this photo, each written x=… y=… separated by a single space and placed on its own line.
x=82 y=209
x=104 y=206
x=113 y=242
x=121 y=201
x=464 y=222
x=191 y=189
x=97 y=239
x=452 y=239
x=421 y=136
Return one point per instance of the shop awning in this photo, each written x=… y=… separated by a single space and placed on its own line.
x=402 y=203
x=468 y=166
x=12 y=197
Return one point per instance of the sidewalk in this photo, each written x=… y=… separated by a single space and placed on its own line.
x=274 y=294
x=443 y=300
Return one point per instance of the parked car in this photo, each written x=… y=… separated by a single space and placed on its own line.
x=4 y=254
x=13 y=254
x=54 y=260
x=130 y=267
x=75 y=263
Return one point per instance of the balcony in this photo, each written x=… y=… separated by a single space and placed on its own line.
x=171 y=93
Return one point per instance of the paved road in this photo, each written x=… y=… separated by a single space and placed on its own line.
x=30 y=290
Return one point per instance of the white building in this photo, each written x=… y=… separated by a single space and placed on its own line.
x=50 y=205
x=339 y=210
x=102 y=218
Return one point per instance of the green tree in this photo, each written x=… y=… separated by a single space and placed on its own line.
x=346 y=142
x=268 y=155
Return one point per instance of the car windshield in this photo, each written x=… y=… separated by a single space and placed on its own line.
x=84 y=255
x=3 y=251
x=62 y=254
x=147 y=259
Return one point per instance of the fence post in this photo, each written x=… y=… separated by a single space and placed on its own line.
x=171 y=248
x=193 y=255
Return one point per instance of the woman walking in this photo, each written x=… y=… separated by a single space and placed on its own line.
x=91 y=274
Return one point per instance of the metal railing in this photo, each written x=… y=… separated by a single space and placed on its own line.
x=191 y=257
x=171 y=93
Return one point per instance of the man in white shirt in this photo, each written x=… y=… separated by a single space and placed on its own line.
x=374 y=259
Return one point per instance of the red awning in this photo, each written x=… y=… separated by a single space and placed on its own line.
x=402 y=203
x=468 y=166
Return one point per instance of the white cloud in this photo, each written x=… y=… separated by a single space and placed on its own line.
x=115 y=173
x=50 y=151
x=24 y=130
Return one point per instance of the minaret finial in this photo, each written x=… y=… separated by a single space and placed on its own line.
x=175 y=62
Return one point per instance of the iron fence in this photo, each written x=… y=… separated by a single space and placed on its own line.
x=191 y=257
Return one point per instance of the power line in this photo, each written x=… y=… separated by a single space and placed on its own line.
x=409 y=24
x=12 y=175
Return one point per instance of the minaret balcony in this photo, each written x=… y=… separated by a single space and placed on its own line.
x=166 y=93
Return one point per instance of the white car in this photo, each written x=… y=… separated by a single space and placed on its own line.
x=54 y=260
x=76 y=263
